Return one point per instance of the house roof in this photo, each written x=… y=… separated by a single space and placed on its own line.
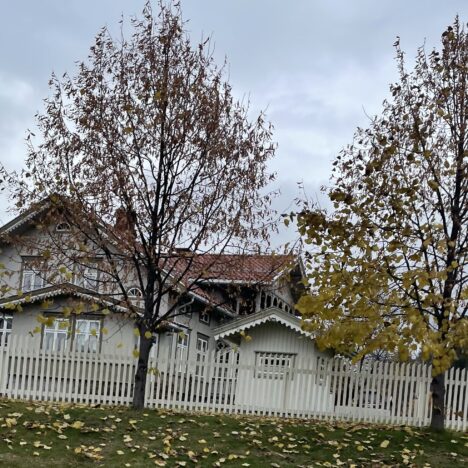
x=23 y=218
x=69 y=289
x=194 y=271
x=60 y=290
x=232 y=268
x=264 y=316
x=208 y=298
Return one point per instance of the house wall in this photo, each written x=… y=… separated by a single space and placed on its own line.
x=192 y=326
x=119 y=339
x=287 y=391
x=11 y=260
x=34 y=242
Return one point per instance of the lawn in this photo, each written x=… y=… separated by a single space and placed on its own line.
x=65 y=435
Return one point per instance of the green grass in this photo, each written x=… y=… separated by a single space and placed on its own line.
x=33 y=434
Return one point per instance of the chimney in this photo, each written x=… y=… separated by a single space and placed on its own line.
x=124 y=221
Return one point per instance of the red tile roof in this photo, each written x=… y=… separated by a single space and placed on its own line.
x=239 y=268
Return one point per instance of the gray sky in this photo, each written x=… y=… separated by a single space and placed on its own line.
x=317 y=66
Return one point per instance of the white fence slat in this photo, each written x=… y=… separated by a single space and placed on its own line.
x=464 y=391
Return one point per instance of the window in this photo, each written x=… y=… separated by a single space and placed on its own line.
x=135 y=296
x=202 y=350
x=202 y=345
x=80 y=334
x=183 y=310
x=87 y=276
x=273 y=365
x=57 y=334
x=63 y=227
x=87 y=335
x=32 y=279
x=5 y=327
x=204 y=317
x=320 y=372
x=134 y=293
x=182 y=346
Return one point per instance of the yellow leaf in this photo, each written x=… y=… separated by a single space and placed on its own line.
x=136 y=332
x=385 y=443
x=148 y=335
x=120 y=452
x=360 y=448
x=77 y=425
x=136 y=353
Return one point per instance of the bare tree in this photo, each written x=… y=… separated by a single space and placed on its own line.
x=150 y=160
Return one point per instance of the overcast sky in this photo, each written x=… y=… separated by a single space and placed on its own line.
x=317 y=66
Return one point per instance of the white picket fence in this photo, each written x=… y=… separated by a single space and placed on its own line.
x=389 y=393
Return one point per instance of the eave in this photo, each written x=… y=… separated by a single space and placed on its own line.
x=271 y=314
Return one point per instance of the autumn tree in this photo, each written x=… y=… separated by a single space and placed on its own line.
x=389 y=263
x=150 y=160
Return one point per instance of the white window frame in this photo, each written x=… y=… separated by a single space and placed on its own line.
x=182 y=345
x=36 y=278
x=6 y=324
x=61 y=327
x=273 y=365
x=75 y=333
x=203 y=343
x=63 y=227
x=134 y=293
x=135 y=296
x=202 y=346
x=320 y=372
x=83 y=337
x=86 y=277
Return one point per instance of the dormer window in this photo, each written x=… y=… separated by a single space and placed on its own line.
x=63 y=227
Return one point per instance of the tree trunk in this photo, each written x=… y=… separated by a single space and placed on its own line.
x=141 y=372
x=438 y=401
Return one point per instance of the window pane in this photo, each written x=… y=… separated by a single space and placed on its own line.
x=27 y=280
x=38 y=280
x=5 y=328
x=61 y=341
x=55 y=340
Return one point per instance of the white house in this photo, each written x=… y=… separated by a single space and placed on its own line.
x=245 y=303
x=235 y=343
